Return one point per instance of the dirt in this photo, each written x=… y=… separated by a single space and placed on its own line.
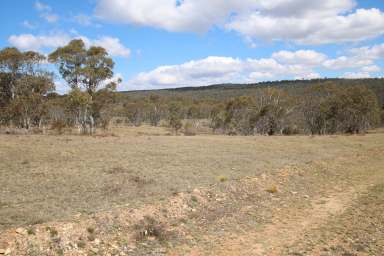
x=311 y=206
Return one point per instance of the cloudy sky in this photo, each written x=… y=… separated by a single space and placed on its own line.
x=174 y=43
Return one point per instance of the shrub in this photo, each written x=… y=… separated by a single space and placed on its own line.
x=189 y=129
x=149 y=227
x=272 y=189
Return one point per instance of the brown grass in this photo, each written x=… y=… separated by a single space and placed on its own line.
x=47 y=177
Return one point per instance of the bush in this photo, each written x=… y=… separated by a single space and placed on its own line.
x=149 y=227
x=189 y=130
x=58 y=126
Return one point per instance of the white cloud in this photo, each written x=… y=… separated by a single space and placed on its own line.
x=344 y=62
x=356 y=75
x=83 y=20
x=307 y=57
x=213 y=69
x=50 y=17
x=28 y=24
x=369 y=52
x=300 y=21
x=301 y=64
x=357 y=26
x=36 y=43
x=46 y=12
x=356 y=58
x=32 y=42
x=371 y=69
x=41 y=7
x=113 y=45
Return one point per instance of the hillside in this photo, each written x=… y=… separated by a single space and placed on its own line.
x=227 y=91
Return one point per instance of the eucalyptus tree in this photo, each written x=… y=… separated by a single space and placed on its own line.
x=23 y=86
x=86 y=71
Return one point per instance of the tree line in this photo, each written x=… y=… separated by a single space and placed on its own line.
x=28 y=100
x=27 y=90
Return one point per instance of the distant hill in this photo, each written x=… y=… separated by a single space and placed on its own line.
x=227 y=91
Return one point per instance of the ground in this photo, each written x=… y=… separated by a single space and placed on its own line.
x=140 y=191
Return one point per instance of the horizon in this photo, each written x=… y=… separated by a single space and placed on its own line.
x=174 y=44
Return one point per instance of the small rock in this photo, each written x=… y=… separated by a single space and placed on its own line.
x=95 y=250
x=21 y=231
x=5 y=251
x=196 y=191
x=293 y=192
x=306 y=196
x=97 y=241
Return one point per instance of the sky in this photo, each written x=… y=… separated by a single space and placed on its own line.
x=175 y=43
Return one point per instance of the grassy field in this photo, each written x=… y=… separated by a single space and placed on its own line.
x=47 y=178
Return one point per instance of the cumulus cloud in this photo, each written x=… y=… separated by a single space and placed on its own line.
x=369 y=52
x=371 y=69
x=357 y=26
x=113 y=45
x=344 y=62
x=300 y=21
x=32 y=42
x=356 y=75
x=301 y=64
x=307 y=57
x=36 y=43
x=357 y=57
x=214 y=69
x=46 y=12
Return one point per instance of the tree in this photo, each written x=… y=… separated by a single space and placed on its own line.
x=11 y=66
x=329 y=109
x=86 y=70
x=23 y=87
x=154 y=112
x=175 y=116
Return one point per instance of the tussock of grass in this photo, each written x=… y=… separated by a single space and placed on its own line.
x=273 y=189
x=223 y=178
x=150 y=227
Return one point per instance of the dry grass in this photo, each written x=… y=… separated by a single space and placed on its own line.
x=46 y=177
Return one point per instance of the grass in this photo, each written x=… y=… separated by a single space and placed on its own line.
x=47 y=177
x=273 y=189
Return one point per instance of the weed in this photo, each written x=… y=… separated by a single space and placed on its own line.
x=52 y=231
x=81 y=244
x=91 y=237
x=272 y=189
x=223 y=178
x=31 y=231
x=149 y=227
x=90 y=230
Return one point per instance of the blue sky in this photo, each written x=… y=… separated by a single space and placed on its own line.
x=169 y=43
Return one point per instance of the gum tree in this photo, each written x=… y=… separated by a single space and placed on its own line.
x=86 y=71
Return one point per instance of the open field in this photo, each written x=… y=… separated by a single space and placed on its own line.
x=215 y=195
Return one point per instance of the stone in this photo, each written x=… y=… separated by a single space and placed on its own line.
x=21 y=231
x=95 y=250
